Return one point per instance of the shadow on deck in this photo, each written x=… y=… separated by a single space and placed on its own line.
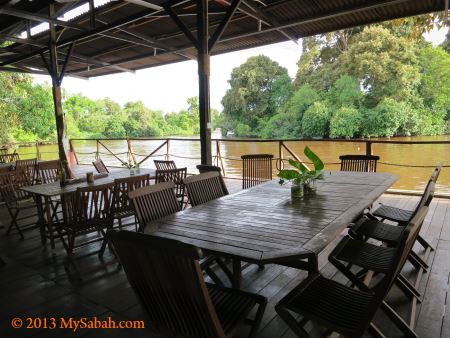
x=33 y=283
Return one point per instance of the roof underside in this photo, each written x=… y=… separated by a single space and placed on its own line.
x=126 y=36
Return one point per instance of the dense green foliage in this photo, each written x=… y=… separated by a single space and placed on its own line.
x=380 y=80
x=27 y=114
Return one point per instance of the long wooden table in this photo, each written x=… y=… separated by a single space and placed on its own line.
x=43 y=194
x=263 y=225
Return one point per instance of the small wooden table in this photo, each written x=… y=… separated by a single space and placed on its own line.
x=262 y=225
x=44 y=192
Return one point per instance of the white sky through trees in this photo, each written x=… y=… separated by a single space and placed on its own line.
x=168 y=87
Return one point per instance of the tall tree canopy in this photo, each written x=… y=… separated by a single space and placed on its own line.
x=257 y=88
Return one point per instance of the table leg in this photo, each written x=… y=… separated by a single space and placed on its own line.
x=236 y=283
x=41 y=217
x=313 y=264
x=49 y=211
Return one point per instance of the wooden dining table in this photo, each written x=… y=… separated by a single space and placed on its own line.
x=44 y=193
x=264 y=225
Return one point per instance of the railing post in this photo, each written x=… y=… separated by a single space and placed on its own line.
x=280 y=155
x=131 y=155
x=97 y=156
x=38 y=154
x=219 y=158
x=168 y=149
x=369 y=148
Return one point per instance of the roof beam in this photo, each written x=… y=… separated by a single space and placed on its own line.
x=322 y=16
x=116 y=24
x=223 y=25
x=269 y=19
x=87 y=59
x=39 y=18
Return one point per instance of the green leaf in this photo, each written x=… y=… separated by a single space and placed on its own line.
x=318 y=164
x=300 y=166
x=288 y=174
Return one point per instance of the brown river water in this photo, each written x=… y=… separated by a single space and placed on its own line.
x=394 y=158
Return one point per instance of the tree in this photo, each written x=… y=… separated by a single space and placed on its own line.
x=446 y=44
x=346 y=122
x=385 y=65
x=346 y=92
x=257 y=88
x=316 y=120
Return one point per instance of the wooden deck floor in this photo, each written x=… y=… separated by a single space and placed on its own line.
x=34 y=284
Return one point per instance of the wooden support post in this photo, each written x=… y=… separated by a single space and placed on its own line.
x=72 y=150
x=131 y=155
x=61 y=128
x=203 y=60
x=369 y=148
x=168 y=149
x=38 y=154
x=97 y=154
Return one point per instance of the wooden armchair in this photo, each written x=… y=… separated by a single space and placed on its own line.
x=26 y=171
x=20 y=204
x=123 y=207
x=256 y=169
x=89 y=210
x=365 y=163
x=166 y=276
x=343 y=309
x=157 y=201
x=204 y=187
x=176 y=176
x=47 y=171
x=100 y=166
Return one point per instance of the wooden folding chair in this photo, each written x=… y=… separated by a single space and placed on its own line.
x=123 y=208
x=364 y=163
x=164 y=165
x=176 y=176
x=256 y=169
x=166 y=276
x=100 y=166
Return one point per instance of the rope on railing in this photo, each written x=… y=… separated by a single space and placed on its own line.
x=412 y=165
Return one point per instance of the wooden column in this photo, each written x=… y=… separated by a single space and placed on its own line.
x=203 y=59
x=63 y=144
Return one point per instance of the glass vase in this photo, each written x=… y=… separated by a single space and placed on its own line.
x=296 y=190
x=310 y=187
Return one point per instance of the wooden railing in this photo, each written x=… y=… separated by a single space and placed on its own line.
x=283 y=148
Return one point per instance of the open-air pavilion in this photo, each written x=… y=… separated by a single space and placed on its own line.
x=94 y=38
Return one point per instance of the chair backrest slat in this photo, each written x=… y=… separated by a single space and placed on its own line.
x=100 y=166
x=164 y=165
x=256 y=169
x=154 y=202
x=204 y=187
x=362 y=163
x=165 y=275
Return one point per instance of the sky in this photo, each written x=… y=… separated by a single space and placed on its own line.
x=168 y=87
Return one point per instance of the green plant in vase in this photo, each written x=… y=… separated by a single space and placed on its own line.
x=303 y=179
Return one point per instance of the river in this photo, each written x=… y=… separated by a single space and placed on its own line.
x=187 y=153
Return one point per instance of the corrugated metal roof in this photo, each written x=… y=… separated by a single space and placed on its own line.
x=149 y=38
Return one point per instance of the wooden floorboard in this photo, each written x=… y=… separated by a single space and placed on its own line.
x=34 y=283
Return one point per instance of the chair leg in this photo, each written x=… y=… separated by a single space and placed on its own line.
x=258 y=317
x=417 y=261
x=213 y=276
x=398 y=321
x=375 y=332
x=409 y=290
x=291 y=321
x=424 y=243
x=14 y=224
